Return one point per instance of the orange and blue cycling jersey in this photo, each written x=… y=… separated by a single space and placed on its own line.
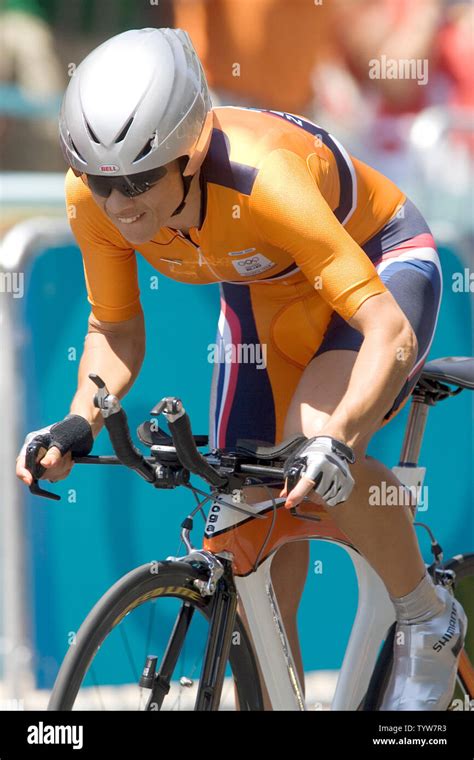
x=298 y=233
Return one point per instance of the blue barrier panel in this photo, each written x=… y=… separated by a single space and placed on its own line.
x=110 y=521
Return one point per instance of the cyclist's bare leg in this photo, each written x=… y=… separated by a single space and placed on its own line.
x=384 y=535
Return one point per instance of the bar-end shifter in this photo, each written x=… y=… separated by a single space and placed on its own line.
x=103 y=400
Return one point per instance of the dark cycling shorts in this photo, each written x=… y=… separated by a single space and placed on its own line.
x=267 y=340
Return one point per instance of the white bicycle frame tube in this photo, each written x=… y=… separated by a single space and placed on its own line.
x=375 y=614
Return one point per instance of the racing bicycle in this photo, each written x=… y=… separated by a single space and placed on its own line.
x=176 y=621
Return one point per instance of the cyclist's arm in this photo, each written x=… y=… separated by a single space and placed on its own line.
x=115 y=351
x=386 y=357
x=115 y=342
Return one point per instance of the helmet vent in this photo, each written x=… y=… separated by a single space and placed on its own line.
x=147 y=148
x=124 y=130
x=76 y=150
x=93 y=136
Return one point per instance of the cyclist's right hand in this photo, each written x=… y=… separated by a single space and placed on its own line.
x=73 y=435
x=57 y=466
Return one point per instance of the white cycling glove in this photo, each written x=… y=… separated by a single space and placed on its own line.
x=323 y=460
x=34 y=434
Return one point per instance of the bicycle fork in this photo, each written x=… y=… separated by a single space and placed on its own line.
x=222 y=623
x=223 y=617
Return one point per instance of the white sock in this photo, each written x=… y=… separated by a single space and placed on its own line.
x=420 y=605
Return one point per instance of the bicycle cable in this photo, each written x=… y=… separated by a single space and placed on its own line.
x=274 y=511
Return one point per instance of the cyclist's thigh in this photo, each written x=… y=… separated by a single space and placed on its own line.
x=321 y=388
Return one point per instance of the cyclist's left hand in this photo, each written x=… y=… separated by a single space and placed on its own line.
x=325 y=471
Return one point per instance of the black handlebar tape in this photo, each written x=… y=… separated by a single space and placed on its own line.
x=188 y=453
x=117 y=427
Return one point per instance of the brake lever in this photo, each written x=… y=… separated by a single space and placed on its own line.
x=302 y=516
x=292 y=477
x=36 y=469
x=38 y=491
x=278 y=501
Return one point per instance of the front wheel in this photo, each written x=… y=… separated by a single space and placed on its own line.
x=143 y=633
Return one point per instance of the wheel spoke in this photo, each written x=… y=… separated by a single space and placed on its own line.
x=95 y=674
x=129 y=654
x=97 y=688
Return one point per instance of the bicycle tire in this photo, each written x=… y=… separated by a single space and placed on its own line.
x=463 y=566
x=169 y=579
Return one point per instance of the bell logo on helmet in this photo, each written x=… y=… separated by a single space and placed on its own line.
x=109 y=168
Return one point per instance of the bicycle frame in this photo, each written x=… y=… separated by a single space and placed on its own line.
x=375 y=614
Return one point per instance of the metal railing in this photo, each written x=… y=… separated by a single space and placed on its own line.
x=20 y=246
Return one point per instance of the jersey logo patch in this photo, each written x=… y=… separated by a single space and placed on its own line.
x=253 y=265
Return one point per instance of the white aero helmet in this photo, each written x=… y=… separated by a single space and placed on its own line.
x=135 y=103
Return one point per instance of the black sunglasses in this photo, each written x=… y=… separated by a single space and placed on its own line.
x=129 y=185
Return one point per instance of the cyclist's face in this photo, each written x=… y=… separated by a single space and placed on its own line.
x=140 y=218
